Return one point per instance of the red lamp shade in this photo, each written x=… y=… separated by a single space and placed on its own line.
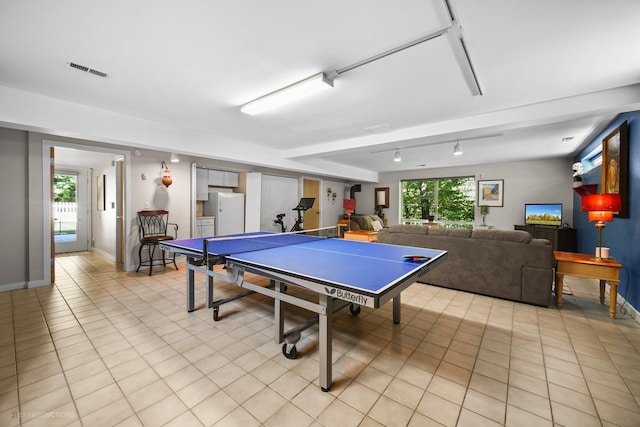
x=349 y=205
x=601 y=202
x=604 y=216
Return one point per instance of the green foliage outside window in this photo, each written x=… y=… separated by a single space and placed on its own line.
x=64 y=188
x=446 y=199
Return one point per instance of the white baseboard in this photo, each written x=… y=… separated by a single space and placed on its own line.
x=104 y=254
x=623 y=306
x=12 y=286
x=37 y=283
x=23 y=285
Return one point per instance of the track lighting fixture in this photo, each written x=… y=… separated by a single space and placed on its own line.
x=293 y=92
x=397 y=157
x=457 y=150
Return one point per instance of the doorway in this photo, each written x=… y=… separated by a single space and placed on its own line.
x=104 y=230
x=70 y=211
x=311 y=188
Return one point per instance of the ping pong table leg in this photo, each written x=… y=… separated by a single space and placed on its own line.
x=278 y=308
x=209 y=291
x=325 y=327
x=396 y=309
x=190 y=286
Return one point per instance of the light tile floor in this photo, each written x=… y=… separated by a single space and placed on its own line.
x=107 y=347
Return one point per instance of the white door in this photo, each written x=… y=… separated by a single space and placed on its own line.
x=70 y=212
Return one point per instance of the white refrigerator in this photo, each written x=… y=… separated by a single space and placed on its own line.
x=228 y=208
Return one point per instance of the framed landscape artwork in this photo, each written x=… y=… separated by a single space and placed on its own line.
x=615 y=166
x=490 y=192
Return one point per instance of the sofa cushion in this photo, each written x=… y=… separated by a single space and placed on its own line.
x=408 y=229
x=463 y=233
x=516 y=236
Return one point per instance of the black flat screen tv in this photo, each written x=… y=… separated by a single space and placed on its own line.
x=543 y=214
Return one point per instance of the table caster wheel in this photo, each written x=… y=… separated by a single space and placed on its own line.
x=355 y=309
x=216 y=314
x=291 y=354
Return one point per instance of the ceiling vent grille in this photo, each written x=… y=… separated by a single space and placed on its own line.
x=87 y=69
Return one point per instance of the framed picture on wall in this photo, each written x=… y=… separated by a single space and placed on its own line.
x=615 y=166
x=490 y=192
x=102 y=180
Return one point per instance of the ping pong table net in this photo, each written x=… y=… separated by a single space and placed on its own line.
x=228 y=245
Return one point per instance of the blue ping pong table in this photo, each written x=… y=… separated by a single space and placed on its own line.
x=341 y=272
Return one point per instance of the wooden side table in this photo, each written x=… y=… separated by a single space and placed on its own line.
x=342 y=225
x=361 y=235
x=585 y=265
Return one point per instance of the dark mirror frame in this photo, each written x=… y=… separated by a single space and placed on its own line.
x=386 y=197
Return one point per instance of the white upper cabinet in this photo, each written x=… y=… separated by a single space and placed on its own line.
x=216 y=178
x=202 y=184
x=206 y=178
x=230 y=179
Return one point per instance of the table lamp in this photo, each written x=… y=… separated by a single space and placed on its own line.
x=349 y=206
x=600 y=208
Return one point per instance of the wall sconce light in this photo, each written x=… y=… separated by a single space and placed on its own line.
x=331 y=195
x=397 y=157
x=457 y=150
x=166 y=175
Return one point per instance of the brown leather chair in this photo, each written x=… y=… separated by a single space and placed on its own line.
x=152 y=229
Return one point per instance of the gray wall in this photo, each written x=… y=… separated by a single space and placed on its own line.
x=540 y=181
x=14 y=210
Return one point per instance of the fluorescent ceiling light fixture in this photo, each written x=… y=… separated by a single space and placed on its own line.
x=293 y=92
x=457 y=150
x=397 y=157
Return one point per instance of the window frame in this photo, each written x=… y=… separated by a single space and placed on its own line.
x=435 y=204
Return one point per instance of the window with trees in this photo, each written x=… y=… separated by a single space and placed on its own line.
x=450 y=201
x=65 y=205
x=64 y=187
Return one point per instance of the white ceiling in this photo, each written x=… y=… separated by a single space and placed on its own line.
x=178 y=72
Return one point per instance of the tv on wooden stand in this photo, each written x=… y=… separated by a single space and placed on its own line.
x=544 y=221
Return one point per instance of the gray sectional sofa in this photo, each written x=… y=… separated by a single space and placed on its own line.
x=499 y=263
